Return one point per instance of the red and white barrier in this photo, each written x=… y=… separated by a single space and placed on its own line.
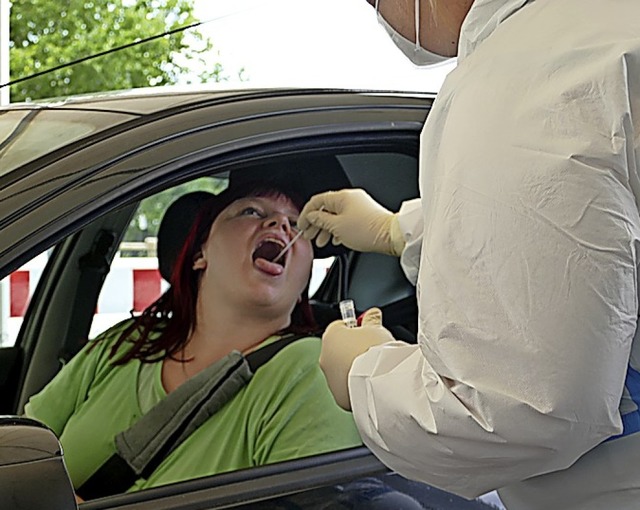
x=132 y=284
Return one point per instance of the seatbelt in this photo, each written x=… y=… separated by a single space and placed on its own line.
x=142 y=447
x=94 y=267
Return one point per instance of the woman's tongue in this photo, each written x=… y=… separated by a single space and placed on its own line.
x=263 y=256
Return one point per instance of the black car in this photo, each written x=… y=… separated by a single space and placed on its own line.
x=74 y=176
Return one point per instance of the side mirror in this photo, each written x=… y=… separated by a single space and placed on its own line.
x=32 y=471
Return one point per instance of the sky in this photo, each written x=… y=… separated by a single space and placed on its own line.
x=328 y=43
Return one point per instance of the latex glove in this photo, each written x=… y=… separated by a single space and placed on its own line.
x=354 y=219
x=342 y=344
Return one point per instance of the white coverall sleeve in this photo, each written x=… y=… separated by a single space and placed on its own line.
x=528 y=274
x=411 y=224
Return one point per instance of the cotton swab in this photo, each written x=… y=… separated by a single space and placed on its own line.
x=290 y=243
x=287 y=246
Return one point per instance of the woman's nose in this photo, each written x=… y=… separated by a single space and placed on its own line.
x=278 y=221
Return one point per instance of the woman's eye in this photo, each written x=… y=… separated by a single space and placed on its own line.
x=251 y=211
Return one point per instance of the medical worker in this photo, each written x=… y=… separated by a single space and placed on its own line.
x=524 y=250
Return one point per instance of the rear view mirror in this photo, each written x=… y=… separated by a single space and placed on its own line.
x=32 y=471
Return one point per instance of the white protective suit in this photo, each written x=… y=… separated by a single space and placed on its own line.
x=528 y=267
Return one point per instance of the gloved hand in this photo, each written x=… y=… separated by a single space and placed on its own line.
x=342 y=344
x=354 y=219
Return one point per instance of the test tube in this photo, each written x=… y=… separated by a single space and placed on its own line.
x=348 y=312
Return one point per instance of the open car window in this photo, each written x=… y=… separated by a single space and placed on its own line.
x=108 y=271
x=134 y=230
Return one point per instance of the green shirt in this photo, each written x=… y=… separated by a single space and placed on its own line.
x=285 y=412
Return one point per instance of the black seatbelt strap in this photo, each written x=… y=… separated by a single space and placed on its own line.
x=142 y=447
x=94 y=267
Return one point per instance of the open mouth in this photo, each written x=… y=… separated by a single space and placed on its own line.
x=268 y=250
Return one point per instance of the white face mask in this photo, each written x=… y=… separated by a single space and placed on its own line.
x=412 y=50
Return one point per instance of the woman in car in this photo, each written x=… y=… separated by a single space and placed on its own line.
x=229 y=297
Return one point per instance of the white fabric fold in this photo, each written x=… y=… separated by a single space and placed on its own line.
x=527 y=247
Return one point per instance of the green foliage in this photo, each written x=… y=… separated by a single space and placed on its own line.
x=46 y=34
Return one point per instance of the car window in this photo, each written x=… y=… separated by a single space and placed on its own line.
x=15 y=293
x=134 y=281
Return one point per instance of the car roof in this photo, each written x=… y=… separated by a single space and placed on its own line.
x=62 y=121
x=138 y=101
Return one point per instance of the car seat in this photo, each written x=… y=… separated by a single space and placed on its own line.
x=174 y=227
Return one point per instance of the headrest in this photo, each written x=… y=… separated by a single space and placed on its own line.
x=175 y=226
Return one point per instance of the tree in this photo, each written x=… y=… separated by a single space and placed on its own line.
x=46 y=34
